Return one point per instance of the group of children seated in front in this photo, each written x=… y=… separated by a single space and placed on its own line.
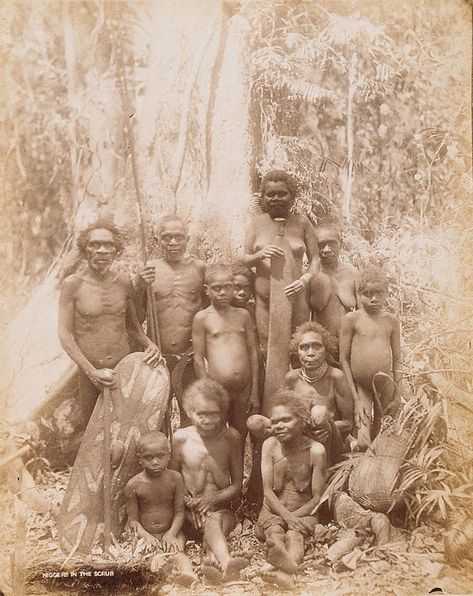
x=192 y=499
x=322 y=412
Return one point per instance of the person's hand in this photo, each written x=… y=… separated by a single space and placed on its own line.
x=152 y=355
x=295 y=523
x=191 y=503
x=321 y=435
x=140 y=532
x=269 y=251
x=203 y=504
x=103 y=377
x=171 y=543
x=359 y=415
x=295 y=287
x=147 y=274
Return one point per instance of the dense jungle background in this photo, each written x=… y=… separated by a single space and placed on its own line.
x=132 y=109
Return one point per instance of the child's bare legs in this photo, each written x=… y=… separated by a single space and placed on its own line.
x=183 y=565
x=238 y=411
x=366 y=404
x=385 y=389
x=217 y=527
x=178 y=560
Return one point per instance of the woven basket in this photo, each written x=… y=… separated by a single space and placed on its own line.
x=372 y=481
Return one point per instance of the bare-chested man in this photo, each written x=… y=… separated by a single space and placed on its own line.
x=224 y=336
x=293 y=469
x=96 y=310
x=178 y=286
x=333 y=287
x=209 y=457
x=278 y=192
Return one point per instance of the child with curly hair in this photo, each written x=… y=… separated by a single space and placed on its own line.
x=370 y=356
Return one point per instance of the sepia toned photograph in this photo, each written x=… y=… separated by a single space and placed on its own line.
x=237 y=300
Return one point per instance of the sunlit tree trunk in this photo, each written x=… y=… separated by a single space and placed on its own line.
x=349 y=173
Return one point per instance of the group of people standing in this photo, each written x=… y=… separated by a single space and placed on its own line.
x=213 y=326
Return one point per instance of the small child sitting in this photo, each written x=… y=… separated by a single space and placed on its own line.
x=155 y=504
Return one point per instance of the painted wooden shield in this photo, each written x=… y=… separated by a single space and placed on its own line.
x=138 y=405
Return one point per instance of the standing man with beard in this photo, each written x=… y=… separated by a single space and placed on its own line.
x=278 y=192
x=177 y=281
x=97 y=316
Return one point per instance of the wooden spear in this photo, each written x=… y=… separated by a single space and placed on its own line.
x=151 y=316
x=107 y=475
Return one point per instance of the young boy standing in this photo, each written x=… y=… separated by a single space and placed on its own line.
x=224 y=336
x=293 y=470
x=370 y=355
x=209 y=456
x=155 y=503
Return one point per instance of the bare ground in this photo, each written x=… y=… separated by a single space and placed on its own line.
x=412 y=564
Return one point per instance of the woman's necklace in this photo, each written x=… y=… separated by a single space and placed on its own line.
x=319 y=373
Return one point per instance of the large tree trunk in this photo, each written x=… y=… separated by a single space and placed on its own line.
x=192 y=147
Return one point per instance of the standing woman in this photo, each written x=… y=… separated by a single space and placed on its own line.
x=278 y=192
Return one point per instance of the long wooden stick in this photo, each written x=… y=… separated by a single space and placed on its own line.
x=107 y=471
x=151 y=318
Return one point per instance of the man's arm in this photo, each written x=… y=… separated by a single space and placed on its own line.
x=152 y=354
x=175 y=461
x=250 y=332
x=318 y=459
x=344 y=401
x=198 y=344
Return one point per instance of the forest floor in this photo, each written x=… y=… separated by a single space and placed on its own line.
x=413 y=563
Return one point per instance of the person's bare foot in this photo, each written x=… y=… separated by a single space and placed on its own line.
x=381 y=527
x=282 y=580
x=233 y=568
x=278 y=557
x=212 y=574
x=184 y=579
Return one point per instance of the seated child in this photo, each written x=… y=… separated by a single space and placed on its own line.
x=293 y=469
x=224 y=336
x=209 y=456
x=370 y=356
x=155 y=503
